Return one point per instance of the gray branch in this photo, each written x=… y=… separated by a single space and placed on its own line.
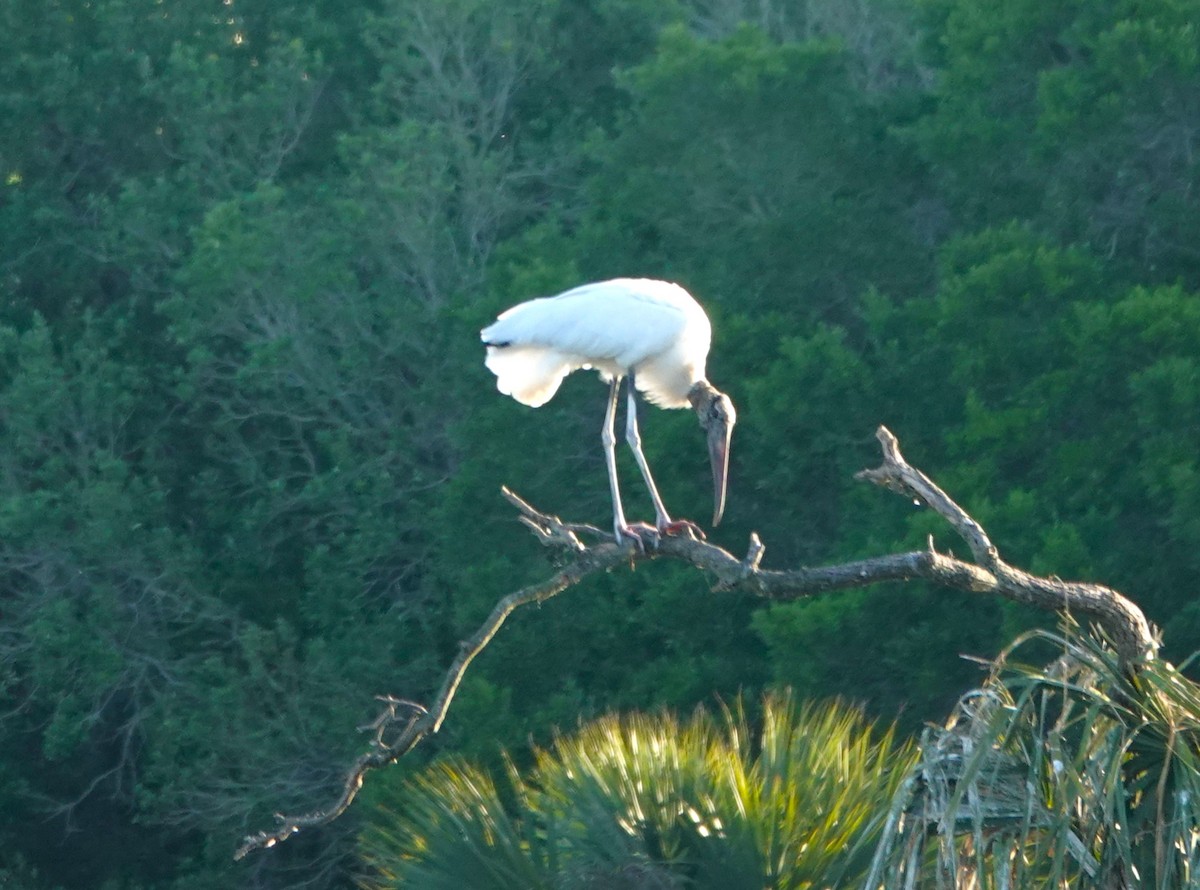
x=402 y=725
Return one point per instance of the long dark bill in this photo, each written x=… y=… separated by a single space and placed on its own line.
x=719 y=435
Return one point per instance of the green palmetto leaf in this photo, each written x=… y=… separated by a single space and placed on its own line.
x=455 y=833
x=796 y=799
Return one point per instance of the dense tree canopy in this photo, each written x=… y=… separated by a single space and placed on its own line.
x=251 y=457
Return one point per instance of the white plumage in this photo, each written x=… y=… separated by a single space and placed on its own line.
x=651 y=331
x=652 y=327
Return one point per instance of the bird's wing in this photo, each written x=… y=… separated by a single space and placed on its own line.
x=624 y=321
x=530 y=374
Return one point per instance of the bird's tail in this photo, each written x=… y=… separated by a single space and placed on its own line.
x=530 y=374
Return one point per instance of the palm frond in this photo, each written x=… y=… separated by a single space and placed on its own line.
x=646 y=801
x=1081 y=774
x=454 y=832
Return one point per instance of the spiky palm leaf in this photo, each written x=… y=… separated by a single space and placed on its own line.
x=644 y=802
x=454 y=833
x=1083 y=775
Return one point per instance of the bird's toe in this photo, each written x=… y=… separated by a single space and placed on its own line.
x=682 y=527
x=641 y=534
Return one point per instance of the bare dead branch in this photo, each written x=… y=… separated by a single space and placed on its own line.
x=407 y=723
x=383 y=753
x=1125 y=623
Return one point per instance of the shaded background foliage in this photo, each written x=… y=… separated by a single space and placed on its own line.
x=250 y=453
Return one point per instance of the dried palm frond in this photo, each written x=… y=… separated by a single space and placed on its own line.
x=1082 y=774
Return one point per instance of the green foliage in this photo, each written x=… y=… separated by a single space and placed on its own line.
x=766 y=146
x=645 y=801
x=1067 y=114
x=250 y=452
x=1082 y=774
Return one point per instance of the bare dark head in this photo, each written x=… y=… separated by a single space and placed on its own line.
x=717 y=418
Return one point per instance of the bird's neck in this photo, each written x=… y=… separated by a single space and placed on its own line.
x=702 y=394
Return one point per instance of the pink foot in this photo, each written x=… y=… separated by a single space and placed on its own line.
x=682 y=526
x=641 y=534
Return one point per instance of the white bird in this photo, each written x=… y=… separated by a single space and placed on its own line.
x=652 y=332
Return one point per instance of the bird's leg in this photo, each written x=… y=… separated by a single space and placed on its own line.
x=662 y=519
x=640 y=532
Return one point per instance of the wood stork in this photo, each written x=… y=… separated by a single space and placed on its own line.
x=651 y=332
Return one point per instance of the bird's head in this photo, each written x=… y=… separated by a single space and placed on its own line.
x=717 y=418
